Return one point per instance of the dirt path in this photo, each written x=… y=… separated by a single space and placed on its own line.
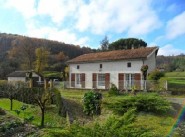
x=180 y=101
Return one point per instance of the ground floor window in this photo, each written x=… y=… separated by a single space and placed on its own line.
x=78 y=79
x=101 y=80
x=129 y=81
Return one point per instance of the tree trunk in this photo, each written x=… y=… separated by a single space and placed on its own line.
x=42 y=119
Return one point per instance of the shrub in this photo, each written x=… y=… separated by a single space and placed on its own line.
x=155 y=75
x=149 y=102
x=113 y=90
x=92 y=103
x=122 y=126
x=2 y=112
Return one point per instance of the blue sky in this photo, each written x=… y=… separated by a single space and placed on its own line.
x=86 y=22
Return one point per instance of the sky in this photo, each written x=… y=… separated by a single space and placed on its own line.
x=86 y=22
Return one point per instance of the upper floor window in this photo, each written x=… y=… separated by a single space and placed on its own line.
x=78 y=67
x=129 y=64
x=101 y=66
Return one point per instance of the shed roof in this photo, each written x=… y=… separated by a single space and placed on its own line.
x=20 y=74
x=140 y=53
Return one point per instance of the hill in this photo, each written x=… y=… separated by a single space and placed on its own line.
x=17 y=50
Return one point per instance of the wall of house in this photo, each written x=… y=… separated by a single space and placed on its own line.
x=151 y=62
x=114 y=68
x=13 y=79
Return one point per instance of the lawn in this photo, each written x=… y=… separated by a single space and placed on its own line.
x=175 y=74
x=55 y=124
x=176 y=82
x=52 y=119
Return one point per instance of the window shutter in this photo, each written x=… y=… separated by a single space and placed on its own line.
x=94 y=80
x=107 y=80
x=83 y=80
x=72 y=79
x=121 y=81
x=137 y=80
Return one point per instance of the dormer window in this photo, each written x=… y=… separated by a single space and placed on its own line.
x=78 y=67
x=129 y=64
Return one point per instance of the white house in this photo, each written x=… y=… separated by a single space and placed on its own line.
x=120 y=67
x=20 y=76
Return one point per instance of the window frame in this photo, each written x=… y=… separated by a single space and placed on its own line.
x=129 y=64
x=78 y=81
x=101 y=80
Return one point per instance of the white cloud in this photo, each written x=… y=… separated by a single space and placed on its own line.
x=117 y=16
x=170 y=50
x=25 y=7
x=176 y=27
x=58 y=10
x=97 y=16
x=64 y=35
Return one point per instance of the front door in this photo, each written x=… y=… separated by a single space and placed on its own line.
x=129 y=81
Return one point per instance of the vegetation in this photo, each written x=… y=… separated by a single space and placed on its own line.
x=113 y=90
x=142 y=103
x=92 y=103
x=16 y=52
x=176 y=82
x=104 y=44
x=131 y=123
x=41 y=59
x=172 y=63
x=127 y=43
x=155 y=75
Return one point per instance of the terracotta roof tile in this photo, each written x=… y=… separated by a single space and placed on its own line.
x=114 y=55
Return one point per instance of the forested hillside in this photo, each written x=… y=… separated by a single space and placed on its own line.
x=171 y=63
x=18 y=53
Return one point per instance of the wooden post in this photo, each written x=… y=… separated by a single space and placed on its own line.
x=45 y=84
x=31 y=83
x=51 y=83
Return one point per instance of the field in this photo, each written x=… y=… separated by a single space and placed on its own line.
x=176 y=82
x=160 y=125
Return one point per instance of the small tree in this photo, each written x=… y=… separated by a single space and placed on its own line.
x=104 y=43
x=92 y=103
x=41 y=97
x=8 y=90
x=144 y=69
x=41 y=59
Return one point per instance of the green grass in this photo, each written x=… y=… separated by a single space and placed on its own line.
x=175 y=74
x=176 y=82
x=52 y=74
x=52 y=119
x=160 y=125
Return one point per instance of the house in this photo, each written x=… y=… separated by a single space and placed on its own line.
x=21 y=76
x=119 y=67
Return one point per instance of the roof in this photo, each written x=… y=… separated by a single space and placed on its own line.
x=20 y=74
x=140 y=53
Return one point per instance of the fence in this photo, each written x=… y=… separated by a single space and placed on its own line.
x=122 y=85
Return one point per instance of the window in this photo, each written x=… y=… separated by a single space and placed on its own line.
x=101 y=79
x=129 y=81
x=101 y=66
x=129 y=64
x=78 y=79
x=78 y=67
